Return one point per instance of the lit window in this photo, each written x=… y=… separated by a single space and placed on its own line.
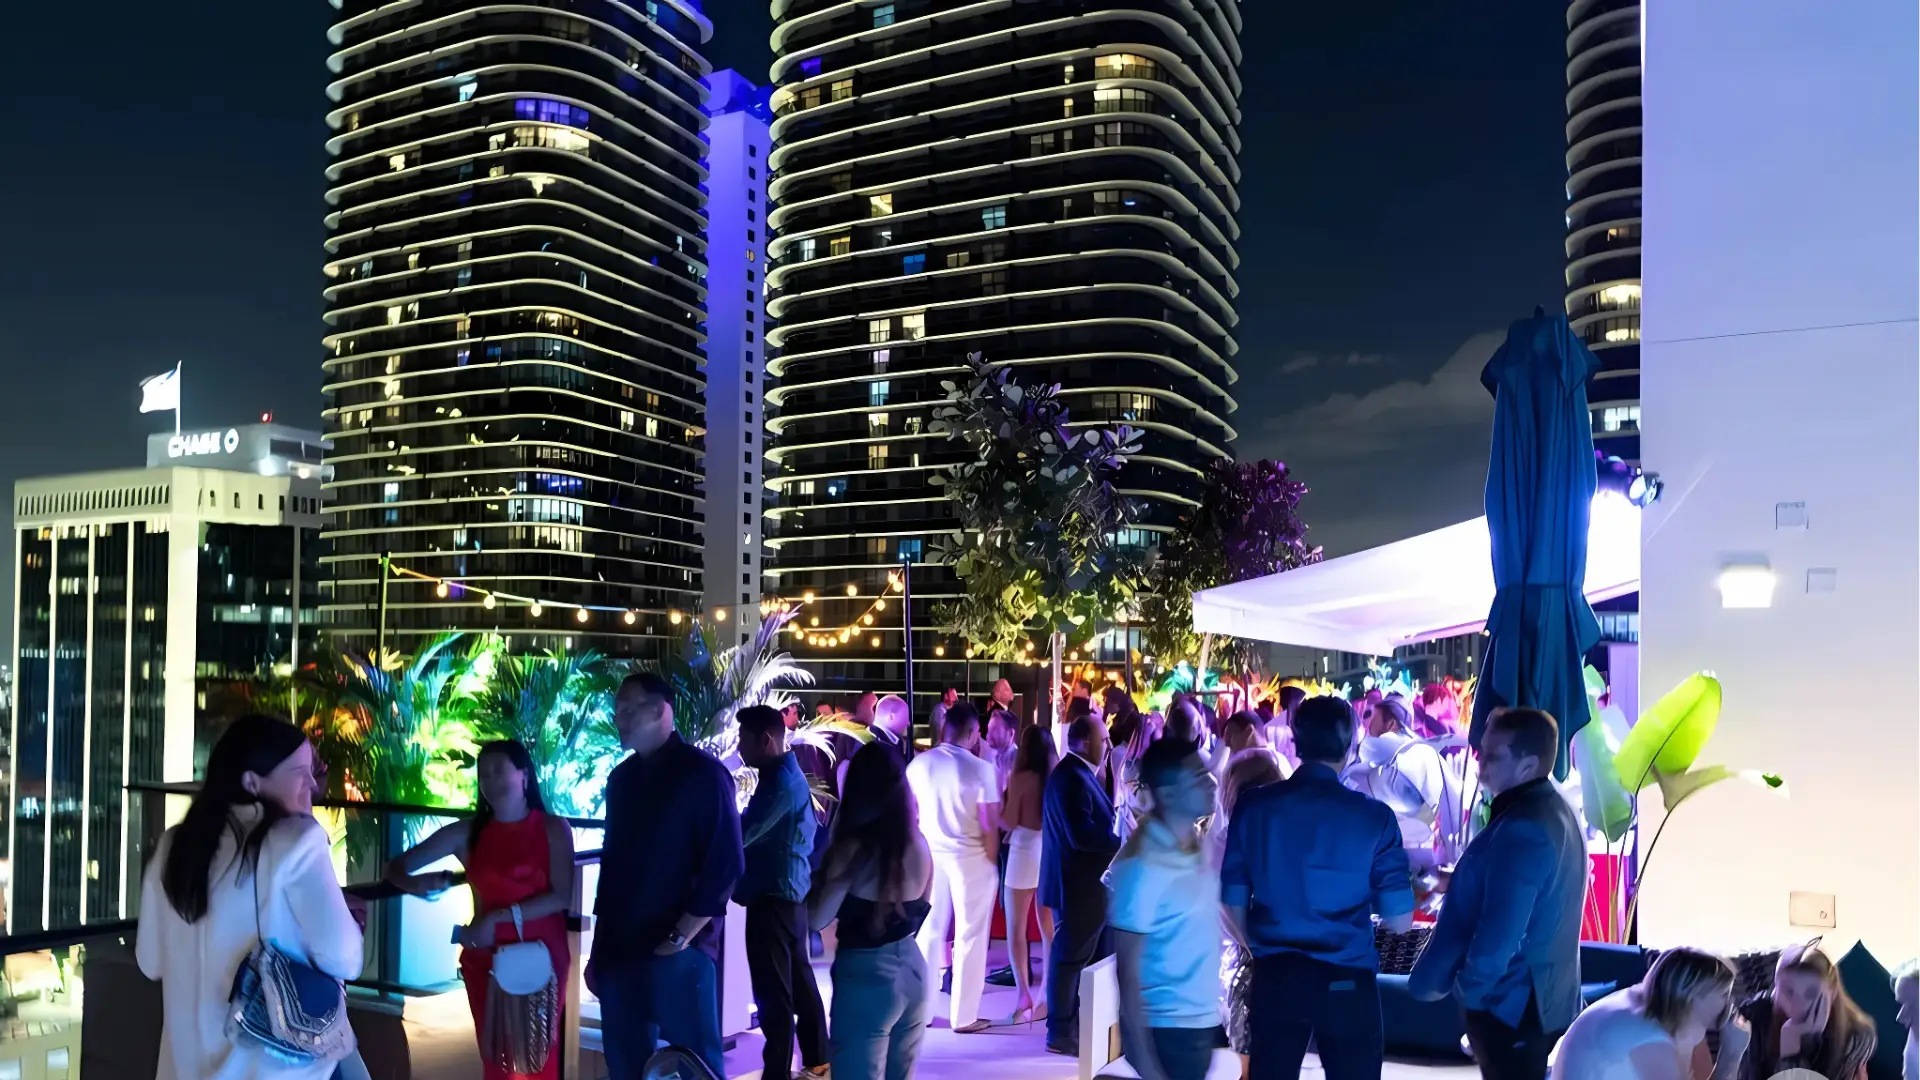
x=1618 y=297
x=1121 y=99
x=553 y=138
x=550 y=112
x=1126 y=66
x=878 y=392
x=840 y=245
x=880 y=360
x=467 y=90
x=393 y=315
x=804 y=249
x=810 y=98
x=626 y=420
x=883 y=15
x=958 y=259
x=842 y=90
x=879 y=205
x=877 y=457
x=993 y=283
x=913 y=327
x=397 y=162
x=877 y=423
x=1620 y=418
x=993 y=217
x=1040 y=145
x=910 y=550
x=653 y=428
x=879 y=330
x=913 y=264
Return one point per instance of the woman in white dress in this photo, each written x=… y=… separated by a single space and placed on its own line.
x=248 y=861
x=1657 y=1030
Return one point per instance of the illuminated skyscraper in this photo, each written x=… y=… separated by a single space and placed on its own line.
x=1052 y=184
x=516 y=265
x=1603 y=210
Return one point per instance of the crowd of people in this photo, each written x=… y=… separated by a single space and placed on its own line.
x=1309 y=823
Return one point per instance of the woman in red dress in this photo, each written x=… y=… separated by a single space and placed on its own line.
x=516 y=856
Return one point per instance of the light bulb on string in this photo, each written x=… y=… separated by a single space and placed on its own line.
x=673 y=617
x=807 y=597
x=879 y=605
x=874 y=641
x=536 y=610
x=720 y=615
x=853 y=590
x=580 y=615
x=440 y=590
x=813 y=620
x=630 y=618
x=487 y=601
x=939 y=650
x=867 y=618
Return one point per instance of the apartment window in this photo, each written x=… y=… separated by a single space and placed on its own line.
x=911 y=550
x=881 y=357
x=1620 y=418
x=1121 y=99
x=877 y=425
x=842 y=89
x=810 y=98
x=1066 y=108
x=880 y=205
x=467 y=90
x=393 y=315
x=1621 y=297
x=840 y=245
x=751 y=253
x=993 y=251
x=993 y=217
x=749 y=335
x=653 y=428
x=803 y=250
x=913 y=327
x=915 y=424
x=626 y=420
x=553 y=138
x=803 y=487
x=956 y=259
x=882 y=237
x=747 y=457
x=913 y=264
x=878 y=392
x=879 y=330
x=877 y=457
x=993 y=283
x=1119 y=133
x=1126 y=66
x=753 y=173
x=751 y=216
x=883 y=15
x=754 y=151
x=1040 y=145
x=397 y=162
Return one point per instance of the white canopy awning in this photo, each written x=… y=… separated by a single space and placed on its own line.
x=1435 y=585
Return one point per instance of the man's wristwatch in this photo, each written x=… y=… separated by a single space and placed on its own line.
x=677 y=939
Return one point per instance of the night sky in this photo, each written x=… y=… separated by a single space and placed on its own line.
x=1401 y=201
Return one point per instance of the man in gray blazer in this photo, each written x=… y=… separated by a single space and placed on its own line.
x=1508 y=941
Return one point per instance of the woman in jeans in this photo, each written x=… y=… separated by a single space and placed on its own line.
x=875 y=879
x=247 y=862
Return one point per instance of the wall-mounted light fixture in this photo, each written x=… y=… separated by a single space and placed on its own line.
x=1746 y=582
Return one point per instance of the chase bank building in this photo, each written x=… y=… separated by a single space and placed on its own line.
x=138 y=595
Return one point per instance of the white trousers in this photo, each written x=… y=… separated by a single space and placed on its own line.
x=963 y=890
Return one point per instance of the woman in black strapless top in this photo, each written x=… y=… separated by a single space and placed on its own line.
x=875 y=879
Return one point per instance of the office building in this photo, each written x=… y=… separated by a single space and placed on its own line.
x=516 y=274
x=137 y=593
x=740 y=145
x=1603 y=210
x=1051 y=187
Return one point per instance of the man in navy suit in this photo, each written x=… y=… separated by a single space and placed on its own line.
x=1508 y=941
x=1077 y=845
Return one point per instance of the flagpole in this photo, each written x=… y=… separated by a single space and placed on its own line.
x=176 y=398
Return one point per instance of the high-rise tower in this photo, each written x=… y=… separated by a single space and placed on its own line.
x=1603 y=210
x=1051 y=184
x=516 y=264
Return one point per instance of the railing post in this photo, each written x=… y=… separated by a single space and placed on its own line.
x=393 y=841
x=576 y=985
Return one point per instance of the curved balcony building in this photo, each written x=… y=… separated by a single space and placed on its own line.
x=1603 y=210
x=1051 y=184
x=515 y=303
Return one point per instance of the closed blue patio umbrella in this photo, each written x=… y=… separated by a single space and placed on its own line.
x=1540 y=488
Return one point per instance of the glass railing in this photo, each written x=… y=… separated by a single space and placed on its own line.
x=73 y=999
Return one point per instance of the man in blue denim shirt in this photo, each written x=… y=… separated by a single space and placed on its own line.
x=1308 y=864
x=777 y=830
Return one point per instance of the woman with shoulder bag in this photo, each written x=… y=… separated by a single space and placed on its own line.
x=519 y=863
x=242 y=921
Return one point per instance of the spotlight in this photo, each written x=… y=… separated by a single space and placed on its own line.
x=1630 y=482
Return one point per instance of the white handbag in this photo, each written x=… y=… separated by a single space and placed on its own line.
x=524 y=968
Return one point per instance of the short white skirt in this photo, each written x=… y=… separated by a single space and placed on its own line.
x=1023 y=859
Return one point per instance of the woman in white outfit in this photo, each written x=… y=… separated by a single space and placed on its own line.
x=1655 y=1031
x=1021 y=813
x=247 y=862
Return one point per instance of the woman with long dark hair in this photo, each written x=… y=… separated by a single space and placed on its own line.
x=875 y=879
x=519 y=863
x=1807 y=1021
x=1021 y=811
x=247 y=864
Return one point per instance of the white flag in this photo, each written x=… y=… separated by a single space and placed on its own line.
x=161 y=392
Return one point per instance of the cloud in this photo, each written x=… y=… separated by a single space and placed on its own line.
x=1387 y=419
x=1355 y=359
x=1309 y=361
x=1393 y=461
x=1298 y=364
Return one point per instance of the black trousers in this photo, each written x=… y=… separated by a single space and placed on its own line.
x=1079 y=938
x=1505 y=1052
x=783 y=985
x=1296 y=1000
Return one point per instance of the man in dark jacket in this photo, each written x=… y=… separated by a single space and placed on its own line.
x=1077 y=845
x=1508 y=941
x=671 y=858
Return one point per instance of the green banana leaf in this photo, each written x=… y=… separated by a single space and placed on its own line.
x=1669 y=737
x=1608 y=805
x=1675 y=790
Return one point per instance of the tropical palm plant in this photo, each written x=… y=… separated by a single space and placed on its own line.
x=404 y=731
x=560 y=707
x=711 y=686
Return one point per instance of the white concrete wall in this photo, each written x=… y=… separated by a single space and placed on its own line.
x=1779 y=349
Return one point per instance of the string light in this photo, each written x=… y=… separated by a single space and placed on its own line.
x=874 y=641
x=630 y=617
x=807 y=597
x=939 y=650
x=719 y=614
x=440 y=590
x=536 y=610
x=853 y=590
x=673 y=617
x=867 y=619
x=487 y=601
x=580 y=615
